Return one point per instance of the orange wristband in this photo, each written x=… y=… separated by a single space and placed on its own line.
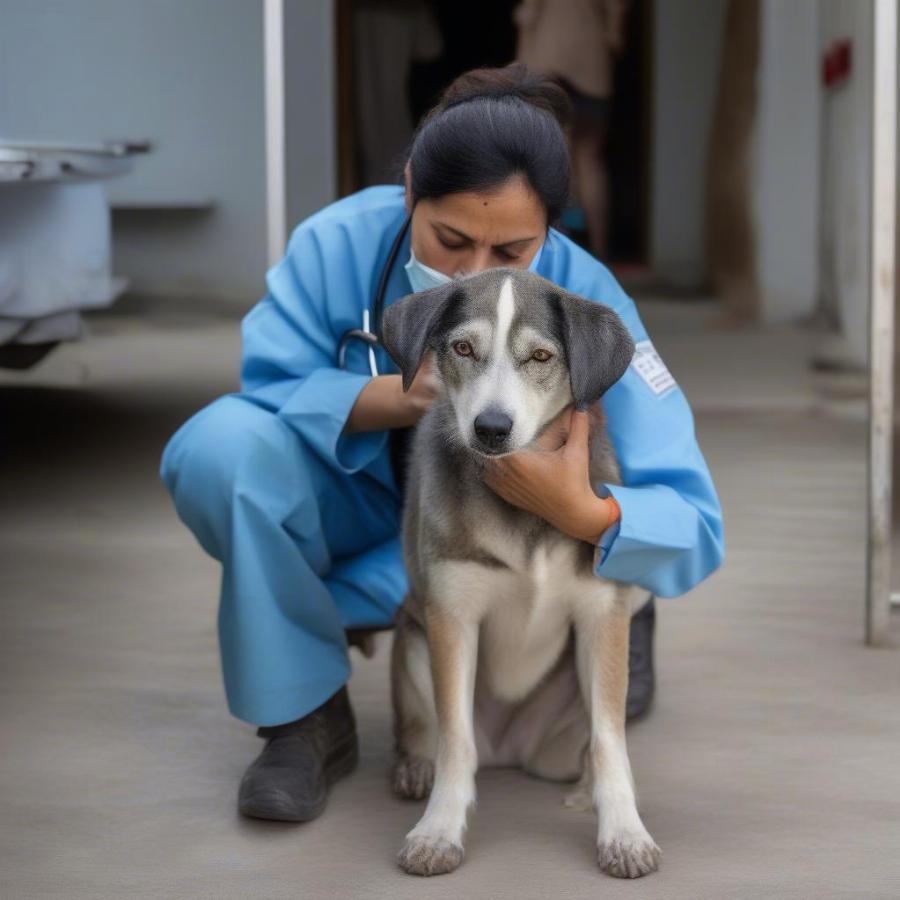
x=615 y=510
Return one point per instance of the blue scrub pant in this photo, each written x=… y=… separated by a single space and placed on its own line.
x=306 y=551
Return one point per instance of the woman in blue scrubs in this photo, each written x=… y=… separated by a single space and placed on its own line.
x=290 y=483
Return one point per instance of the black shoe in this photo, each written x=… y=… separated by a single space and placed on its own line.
x=641 y=679
x=289 y=780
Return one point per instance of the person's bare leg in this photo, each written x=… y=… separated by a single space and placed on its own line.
x=592 y=186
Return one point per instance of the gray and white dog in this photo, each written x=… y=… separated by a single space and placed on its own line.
x=509 y=650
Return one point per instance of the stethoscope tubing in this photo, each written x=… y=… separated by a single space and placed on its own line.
x=370 y=332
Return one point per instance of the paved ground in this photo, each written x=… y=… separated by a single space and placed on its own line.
x=768 y=769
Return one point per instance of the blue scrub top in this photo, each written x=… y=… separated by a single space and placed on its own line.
x=670 y=535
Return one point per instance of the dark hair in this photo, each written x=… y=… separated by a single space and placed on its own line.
x=492 y=124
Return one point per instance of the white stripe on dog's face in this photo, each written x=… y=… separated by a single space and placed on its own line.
x=506 y=308
x=499 y=376
x=486 y=388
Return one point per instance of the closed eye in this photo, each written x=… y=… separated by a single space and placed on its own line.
x=503 y=254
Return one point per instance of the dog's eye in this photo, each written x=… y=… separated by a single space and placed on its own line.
x=541 y=355
x=463 y=348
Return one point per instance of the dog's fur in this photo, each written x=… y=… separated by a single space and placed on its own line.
x=508 y=650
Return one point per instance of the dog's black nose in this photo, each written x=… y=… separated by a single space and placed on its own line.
x=493 y=427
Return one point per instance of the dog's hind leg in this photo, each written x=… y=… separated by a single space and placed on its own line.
x=581 y=797
x=562 y=753
x=415 y=718
x=602 y=621
x=553 y=726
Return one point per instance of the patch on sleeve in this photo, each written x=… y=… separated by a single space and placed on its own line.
x=651 y=368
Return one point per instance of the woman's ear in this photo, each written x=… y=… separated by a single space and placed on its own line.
x=598 y=346
x=409 y=325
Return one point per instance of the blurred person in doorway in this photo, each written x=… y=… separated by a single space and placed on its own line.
x=576 y=42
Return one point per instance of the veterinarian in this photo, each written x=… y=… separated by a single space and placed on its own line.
x=291 y=484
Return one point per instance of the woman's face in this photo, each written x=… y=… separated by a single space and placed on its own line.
x=464 y=233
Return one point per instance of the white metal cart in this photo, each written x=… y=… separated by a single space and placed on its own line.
x=55 y=241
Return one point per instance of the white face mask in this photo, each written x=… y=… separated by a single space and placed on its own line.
x=422 y=277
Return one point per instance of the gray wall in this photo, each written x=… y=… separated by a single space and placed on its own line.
x=186 y=74
x=688 y=39
x=788 y=149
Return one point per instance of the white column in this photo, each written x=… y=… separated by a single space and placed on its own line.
x=276 y=195
x=786 y=191
x=881 y=320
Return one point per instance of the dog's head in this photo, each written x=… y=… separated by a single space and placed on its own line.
x=512 y=350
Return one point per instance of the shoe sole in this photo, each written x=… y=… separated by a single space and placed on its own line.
x=342 y=762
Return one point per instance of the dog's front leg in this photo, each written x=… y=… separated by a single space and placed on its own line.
x=602 y=619
x=435 y=845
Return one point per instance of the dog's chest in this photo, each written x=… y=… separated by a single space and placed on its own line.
x=527 y=620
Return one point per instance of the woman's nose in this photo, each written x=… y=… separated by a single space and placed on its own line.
x=480 y=261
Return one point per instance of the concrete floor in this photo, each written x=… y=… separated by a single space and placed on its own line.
x=769 y=767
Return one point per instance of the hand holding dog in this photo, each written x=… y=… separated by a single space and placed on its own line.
x=424 y=388
x=553 y=481
x=382 y=403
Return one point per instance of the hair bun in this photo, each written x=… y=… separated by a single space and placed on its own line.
x=515 y=80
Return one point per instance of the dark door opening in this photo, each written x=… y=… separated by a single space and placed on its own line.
x=420 y=47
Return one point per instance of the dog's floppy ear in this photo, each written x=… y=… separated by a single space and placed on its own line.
x=410 y=324
x=598 y=346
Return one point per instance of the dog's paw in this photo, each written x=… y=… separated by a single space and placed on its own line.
x=413 y=777
x=629 y=856
x=579 y=799
x=429 y=856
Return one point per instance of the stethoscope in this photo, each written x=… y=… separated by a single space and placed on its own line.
x=369 y=333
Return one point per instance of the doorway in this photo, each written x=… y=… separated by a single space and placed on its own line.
x=394 y=58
